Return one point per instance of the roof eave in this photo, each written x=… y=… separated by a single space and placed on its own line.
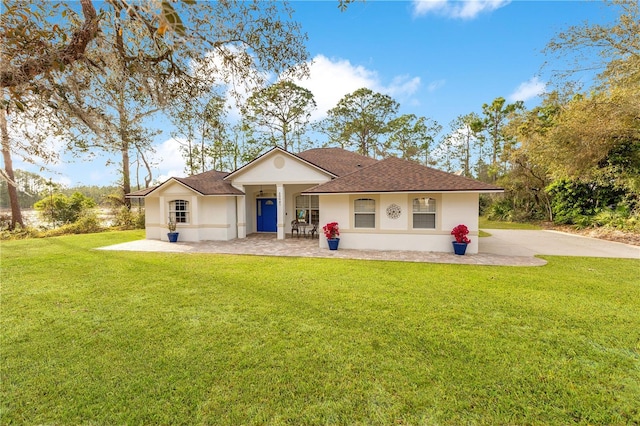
x=431 y=191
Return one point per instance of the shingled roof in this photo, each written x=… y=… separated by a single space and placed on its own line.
x=397 y=175
x=210 y=183
x=207 y=183
x=336 y=161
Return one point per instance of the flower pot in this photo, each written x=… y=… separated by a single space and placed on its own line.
x=333 y=243
x=459 y=248
x=173 y=236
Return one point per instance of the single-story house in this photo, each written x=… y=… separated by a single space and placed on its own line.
x=388 y=204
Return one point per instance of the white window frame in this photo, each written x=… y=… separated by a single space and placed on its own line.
x=307 y=208
x=179 y=211
x=430 y=209
x=362 y=211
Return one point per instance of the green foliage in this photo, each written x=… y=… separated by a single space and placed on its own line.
x=87 y=223
x=62 y=209
x=573 y=202
x=125 y=218
x=359 y=119
x=280 y=114
x=102 y=337
x=31 y=187
x=18 y=233
x=620 y=218
x=501 y=210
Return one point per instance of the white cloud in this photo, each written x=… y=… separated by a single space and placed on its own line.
x=169 y=160
x=457 y=9
x=528 y=90
x=402 y=86
x=331 y=79
x=435 y=85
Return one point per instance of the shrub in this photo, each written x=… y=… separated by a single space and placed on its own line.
x=19 y=233
x=127 y=219
x=62 y=209
x=88 y=223
x=501 y=210
x=574 y=202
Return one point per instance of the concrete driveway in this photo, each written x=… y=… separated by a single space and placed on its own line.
x=530 y=243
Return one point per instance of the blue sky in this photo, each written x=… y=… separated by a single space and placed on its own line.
x=438 y=59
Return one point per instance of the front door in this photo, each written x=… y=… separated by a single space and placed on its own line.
x=267 y=215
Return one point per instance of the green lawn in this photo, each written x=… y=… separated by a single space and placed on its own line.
x=102 y=338
x=485 y=223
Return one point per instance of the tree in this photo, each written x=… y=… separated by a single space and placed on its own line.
x=33 y=45
x=61 y=209
x=30 y=187
x=136 y=56
x=359 y=119
x=201 y=129
x=612 y=49
x=412 y=137
x=280 y=112
x=462 y=140
x=23 y=132
x=495 y=116
x=48 y=37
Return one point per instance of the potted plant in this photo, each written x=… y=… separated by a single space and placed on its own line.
x=460 y=233
x=172 y=235
x=331 y=231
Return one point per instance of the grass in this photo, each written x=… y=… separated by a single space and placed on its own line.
x=95 y=337
x=485 y=223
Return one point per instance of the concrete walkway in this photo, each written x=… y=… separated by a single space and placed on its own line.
x=503 y=248
x=532 y=243
x=268 y=245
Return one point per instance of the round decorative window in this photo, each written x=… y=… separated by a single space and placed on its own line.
x=278 y=162
x=394 y=211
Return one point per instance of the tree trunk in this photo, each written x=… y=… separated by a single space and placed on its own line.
x=16 y=213
x=126 y=174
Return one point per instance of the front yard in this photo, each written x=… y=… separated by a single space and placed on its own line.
x=95 y=337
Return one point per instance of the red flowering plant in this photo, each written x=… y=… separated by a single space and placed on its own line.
x=460 y=233
x=331 y=230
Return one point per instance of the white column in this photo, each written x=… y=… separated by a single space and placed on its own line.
x=281 y=206
x=241 y=215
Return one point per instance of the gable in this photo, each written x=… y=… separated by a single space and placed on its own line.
x=278 y=166
x=173 y=188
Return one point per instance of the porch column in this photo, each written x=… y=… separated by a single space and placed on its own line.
x=241 y=215
x=281 y=203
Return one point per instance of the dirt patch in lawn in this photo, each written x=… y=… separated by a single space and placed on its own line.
x=609 y=234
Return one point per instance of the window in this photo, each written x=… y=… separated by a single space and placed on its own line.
x=424 y=213
x=365 y=213
x=179 y=211
x=307 y=208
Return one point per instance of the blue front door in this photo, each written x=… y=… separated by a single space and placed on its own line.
x=267 y=215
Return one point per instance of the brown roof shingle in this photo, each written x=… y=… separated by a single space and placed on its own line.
x=207 y=183
x=210 y=183
x=336 y=161
x=397 y=175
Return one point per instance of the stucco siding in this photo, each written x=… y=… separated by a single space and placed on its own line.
x=398 y=234
x=460 y=209
x=216 y=218
x=152 y=218
x=391 y=200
